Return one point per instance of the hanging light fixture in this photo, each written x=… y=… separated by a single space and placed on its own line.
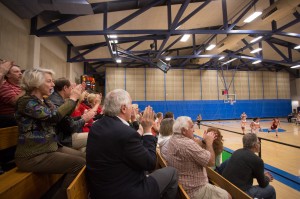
x=256 y=39
x=256 y=62
x=297 y=66
x=297 y=47
x=185 y=37
x=252 y=17
x=256 y=50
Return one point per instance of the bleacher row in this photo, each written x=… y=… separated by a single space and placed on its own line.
x=23 y=185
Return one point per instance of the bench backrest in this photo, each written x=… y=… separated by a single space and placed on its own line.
x=8 y=137
x=162 y=163
x=220 y=181
x=78 y=188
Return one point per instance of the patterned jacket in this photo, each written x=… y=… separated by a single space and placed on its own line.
x=37 y=120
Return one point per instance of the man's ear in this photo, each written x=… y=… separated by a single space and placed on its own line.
x=123 y=108
x=65 y=87
x=183 y=131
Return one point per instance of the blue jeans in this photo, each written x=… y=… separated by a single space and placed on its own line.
x=258 y=192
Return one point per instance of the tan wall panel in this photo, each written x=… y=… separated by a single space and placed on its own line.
x=49 y=60
x=154 y=85
x=209 y=85
x=283 y=85
x=192 y=89
x=241 y=85
x=174 y=86
x=14 y=39
x=269 y=83
x=256 y=87
x=135 y=83
x=115 y=78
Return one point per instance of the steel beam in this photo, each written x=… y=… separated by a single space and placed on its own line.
x=135 y=14
x=278 y=51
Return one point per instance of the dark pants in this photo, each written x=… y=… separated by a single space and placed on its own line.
x=167 y=180
x=64 y=161
x=7 y=121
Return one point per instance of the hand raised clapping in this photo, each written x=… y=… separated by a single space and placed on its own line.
x=76 y=91
x=147 y=119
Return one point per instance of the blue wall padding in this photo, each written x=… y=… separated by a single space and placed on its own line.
x=218 y=110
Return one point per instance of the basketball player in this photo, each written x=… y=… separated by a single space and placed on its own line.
x=274 y=125
x=243 y=124
x=244 y=115
x=255 y=126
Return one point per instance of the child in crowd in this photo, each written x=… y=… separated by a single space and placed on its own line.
x=217 y=144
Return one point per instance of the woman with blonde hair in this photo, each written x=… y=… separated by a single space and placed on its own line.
x=93 y=104
x=165 y=133
x=38 y=149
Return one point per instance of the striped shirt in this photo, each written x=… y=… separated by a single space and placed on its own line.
x=190 y=160
x=8 y=92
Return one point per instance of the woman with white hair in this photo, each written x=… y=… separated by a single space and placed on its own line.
x=37 y=149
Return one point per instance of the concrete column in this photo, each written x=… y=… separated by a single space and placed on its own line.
x=69 y=74
x=34 y=51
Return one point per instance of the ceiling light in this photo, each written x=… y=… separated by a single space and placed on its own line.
x=211 y=46
x=255 y=39
x=252 y=17
x=119 y=60
x=292 y=34
x=256 y=62
x=256 y=50
x=297 y=47
x=231 y=60
x=185 y=37
x=221 y=57
x=112 y=36
x=297 y=66
x=168 y=58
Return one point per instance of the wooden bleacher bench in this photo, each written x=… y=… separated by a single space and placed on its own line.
x=162 y=163
x=218 y=180
x=214 y=178
x=8 y=137
x=15 y=184
x=23 y=185
x=78 y=188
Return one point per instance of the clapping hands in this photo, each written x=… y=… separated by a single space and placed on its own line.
x=147 y=119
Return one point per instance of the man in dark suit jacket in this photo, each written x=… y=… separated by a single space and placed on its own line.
x=117 y=156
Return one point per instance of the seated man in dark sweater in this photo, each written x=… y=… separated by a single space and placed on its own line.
x=244 y=165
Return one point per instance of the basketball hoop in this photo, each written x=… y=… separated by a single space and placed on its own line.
x=230 y=99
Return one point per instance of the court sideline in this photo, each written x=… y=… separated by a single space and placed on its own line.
x=276 y=155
